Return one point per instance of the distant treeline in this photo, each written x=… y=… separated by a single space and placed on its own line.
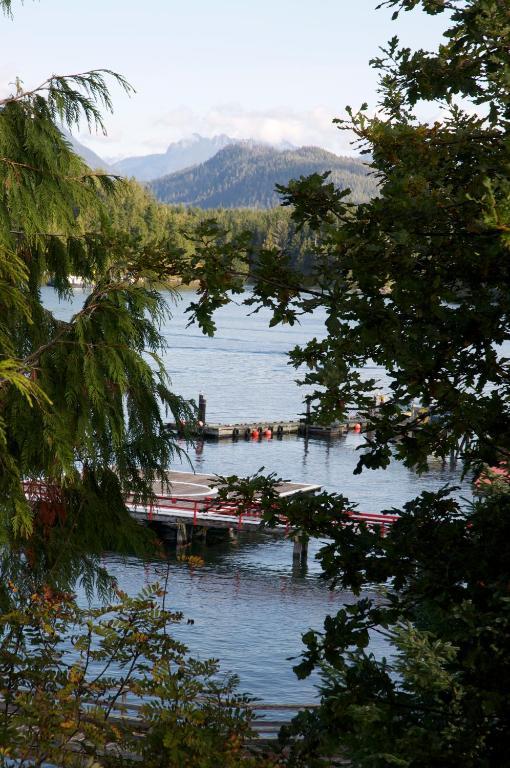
x=134 y=210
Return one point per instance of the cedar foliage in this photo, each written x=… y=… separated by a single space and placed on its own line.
x=82 y=408
x=86 y=398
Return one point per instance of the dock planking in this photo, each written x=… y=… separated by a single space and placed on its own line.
x=193 y=484
x=188 y=498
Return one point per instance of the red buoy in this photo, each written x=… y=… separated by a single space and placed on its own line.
x=255 y=434
x=357 y=427
x=268 y=433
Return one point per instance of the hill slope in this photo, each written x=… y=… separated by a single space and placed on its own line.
x=93 y=161
x=244 y=176
x=179 y=155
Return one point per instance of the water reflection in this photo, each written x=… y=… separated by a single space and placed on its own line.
x=329 y=463
x=250 y=602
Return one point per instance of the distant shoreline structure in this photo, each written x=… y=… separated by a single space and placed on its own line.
x=75 y=281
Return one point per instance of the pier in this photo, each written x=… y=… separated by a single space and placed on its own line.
x=271 y=428
x=268 y=428
x=187 y=503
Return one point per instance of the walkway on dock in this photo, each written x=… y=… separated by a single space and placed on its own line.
x=192 y=500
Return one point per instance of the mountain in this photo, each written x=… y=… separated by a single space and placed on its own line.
x=244 y=176
x=93 y=161
x=181 y=154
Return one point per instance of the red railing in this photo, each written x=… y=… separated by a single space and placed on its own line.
x=203 y=506
x=209 y=505
x=372 y=519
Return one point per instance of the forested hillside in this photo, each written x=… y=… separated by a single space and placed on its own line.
x=134 y=210
x=244 y=176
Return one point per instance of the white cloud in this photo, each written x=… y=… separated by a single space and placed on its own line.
x=310 y=127
x=275 y=125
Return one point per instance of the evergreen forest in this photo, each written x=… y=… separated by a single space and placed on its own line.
x=244 y=176
x=134 y=210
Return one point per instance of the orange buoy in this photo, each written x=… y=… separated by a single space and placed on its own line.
x=357 y=427
x=255 y=433
x=268 y=433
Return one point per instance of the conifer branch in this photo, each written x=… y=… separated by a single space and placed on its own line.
x=43 y=172
x=70 y=97
x=6 y=6
x=34 y=357
x=26 y=365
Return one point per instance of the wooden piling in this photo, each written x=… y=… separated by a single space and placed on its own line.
x=300 y=551
x=202 y=405
x=200 y=532
x=182 y=534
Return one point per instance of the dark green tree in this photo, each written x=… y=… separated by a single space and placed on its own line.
x=82 y=404
x=417 y=280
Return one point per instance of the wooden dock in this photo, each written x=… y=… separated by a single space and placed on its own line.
x=259 y=429
x=269 y=428
x=188 y=503
x=190 y=498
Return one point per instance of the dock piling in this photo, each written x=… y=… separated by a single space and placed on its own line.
x=200 y=532
x=202 y=406
x=182 y=534
x=300 y=551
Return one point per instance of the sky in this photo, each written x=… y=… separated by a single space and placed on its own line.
x=270 y=70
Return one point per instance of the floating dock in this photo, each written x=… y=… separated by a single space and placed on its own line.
x=190 y=498
x=270 y=428
x=187 y=503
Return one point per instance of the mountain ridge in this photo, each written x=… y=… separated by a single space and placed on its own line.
x=244 y=176
x=88 y=155
x=181 y=154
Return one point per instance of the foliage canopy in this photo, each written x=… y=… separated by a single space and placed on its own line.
x=86 y=398
x=417 y=281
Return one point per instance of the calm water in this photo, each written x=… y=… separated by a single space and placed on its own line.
x=249 y=605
